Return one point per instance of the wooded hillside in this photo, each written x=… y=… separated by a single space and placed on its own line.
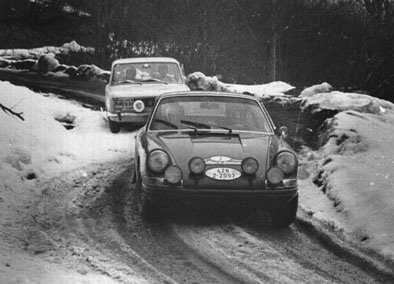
x=348 y=43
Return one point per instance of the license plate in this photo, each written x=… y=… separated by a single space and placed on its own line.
x=223 y=173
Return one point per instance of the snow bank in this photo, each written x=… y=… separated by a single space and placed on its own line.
x=356 y=164
x=316 y=89
x=35 y=53
x=41 y=145
x=345 y=101
x=199 y=81
x=270 y=90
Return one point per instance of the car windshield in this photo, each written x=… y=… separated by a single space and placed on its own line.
x=152 y=72
x=208 y=113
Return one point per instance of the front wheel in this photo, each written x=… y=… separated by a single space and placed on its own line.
x=148 y=211
x=114 y=126
x=283 y=217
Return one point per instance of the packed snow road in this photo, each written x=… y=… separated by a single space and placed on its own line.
x=88 y=217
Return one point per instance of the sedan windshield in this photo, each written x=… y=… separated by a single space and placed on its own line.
x=152 y=72
x=208 y=113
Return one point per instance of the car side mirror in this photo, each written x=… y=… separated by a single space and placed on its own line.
x=283 y=132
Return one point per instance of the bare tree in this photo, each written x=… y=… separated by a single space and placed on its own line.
x=8 y=110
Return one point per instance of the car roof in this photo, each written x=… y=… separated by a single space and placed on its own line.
x=144 y=60
x=207 y=94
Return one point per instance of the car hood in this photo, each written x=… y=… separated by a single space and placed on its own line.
x=218 y=150
x=145 y=89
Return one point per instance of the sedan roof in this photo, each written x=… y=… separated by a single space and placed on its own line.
x=208 y=94
x=144 y=60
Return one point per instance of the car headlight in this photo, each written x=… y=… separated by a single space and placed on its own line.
x=158 y=161
x=138 y=106
x=275 y=175
x=249 y=166
x=173 y=174
x=286 y=161
x=196 y=165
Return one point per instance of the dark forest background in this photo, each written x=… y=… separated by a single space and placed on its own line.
x=348 y=43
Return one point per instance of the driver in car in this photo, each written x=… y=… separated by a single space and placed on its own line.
x=131 y=73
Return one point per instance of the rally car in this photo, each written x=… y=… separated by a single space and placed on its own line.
x=201 y=146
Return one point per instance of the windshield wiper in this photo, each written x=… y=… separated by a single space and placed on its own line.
x=154 y=80
x=128 y=82
x=165 y=122
x=196 y=125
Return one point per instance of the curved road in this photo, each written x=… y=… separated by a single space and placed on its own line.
x=90 y=216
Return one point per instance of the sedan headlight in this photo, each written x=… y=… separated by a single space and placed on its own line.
x=249 y=166
x=173 y=174
x=138 y=106
x=286 y=161
x=158 y=161
x=196 y=165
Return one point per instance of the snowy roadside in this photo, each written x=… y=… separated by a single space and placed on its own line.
x=33 y=151
x=347 y=183
x=352 y=171
x=354 y=168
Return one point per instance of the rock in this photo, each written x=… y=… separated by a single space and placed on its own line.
x=104 y=76
x=82 y=271
x=74 y=47
x=198 y=81
x=87 y=72
x=316 y=89
x=47 y=63
x=61 y=68
x=71 y=71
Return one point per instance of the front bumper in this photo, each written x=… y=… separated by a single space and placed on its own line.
x=269 y=199
x=128 y=117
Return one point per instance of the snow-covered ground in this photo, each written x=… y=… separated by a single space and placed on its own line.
x=353 y=169
x=35 y=150
x=355 y=166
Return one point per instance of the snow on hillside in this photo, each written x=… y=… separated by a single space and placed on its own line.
x=356 y=165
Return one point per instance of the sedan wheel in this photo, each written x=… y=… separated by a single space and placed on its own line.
x=283 y=217
x=148 y=211
x=114 y=126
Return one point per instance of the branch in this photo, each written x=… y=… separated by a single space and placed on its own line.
x=8 y=110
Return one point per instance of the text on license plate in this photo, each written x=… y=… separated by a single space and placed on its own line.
x=223 y=173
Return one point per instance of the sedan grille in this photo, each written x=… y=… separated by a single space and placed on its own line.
x=127 y=103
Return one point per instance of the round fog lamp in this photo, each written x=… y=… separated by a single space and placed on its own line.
x=249 y=166
x=173 y=174
x=275 y=175
x=138 y=106
x=197 y=165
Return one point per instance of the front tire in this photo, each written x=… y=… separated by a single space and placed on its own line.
x=283 y=217
x=114 y=126
x=148 y=211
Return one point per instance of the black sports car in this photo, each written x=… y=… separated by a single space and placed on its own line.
x=208 y=145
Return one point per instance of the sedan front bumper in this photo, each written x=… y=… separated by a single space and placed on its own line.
x=128 y=117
